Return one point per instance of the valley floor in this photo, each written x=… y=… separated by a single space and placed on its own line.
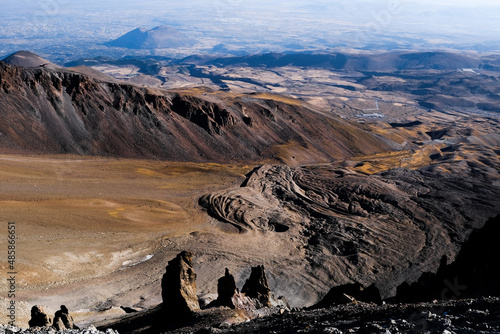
x=96 y=232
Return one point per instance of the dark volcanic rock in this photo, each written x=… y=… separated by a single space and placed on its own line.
x=349 y=293
x=38 y=317
x=226 y=289
x=208 y=116
x=464 y=316
x=453 y=316
x=178 y=287
x=385 y=228
x=49 y=330
x=62 y=319
x=257 y=286
x=475 y=271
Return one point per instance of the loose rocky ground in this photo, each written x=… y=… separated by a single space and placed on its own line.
x=4 y=329
x=453 y=316
x=461 y=317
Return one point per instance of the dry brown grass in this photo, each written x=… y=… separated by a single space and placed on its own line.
x=197 y=91
x=278 y=98
x=403 y=159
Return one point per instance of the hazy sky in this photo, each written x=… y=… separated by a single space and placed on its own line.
x=190 y=3
x=471 y=21
x=457 y=3
x=64 y=6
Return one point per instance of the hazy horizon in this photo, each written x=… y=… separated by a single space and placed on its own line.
x=259 y=25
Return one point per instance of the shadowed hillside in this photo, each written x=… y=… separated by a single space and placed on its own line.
x=356 y=62
x=58 y=111
x=385 y=228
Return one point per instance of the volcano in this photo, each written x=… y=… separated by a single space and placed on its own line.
x=161 y=37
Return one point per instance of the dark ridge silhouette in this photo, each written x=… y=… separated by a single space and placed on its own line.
x=405 y=125
x=474 y=273
x=350 y=293
x=359 y=62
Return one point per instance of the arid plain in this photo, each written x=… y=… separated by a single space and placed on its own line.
x=85 y=225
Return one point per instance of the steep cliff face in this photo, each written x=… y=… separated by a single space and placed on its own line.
x=46 y=110
x=474 y=272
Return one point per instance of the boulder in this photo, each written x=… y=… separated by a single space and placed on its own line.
x=179 y=287
x=350 y=293
x=257 y=286
x=226 y=290
x=38 y=317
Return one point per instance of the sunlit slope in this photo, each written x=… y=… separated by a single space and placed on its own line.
x=58 y=111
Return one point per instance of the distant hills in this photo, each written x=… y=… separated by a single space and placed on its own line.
x=161 y=37
x=389 y=61
x=27 y=59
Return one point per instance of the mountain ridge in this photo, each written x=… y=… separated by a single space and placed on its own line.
x=60 y=111
x=399 y=60
x=160 y=37
x=27 y=59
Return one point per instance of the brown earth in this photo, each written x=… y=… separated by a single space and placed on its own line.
x=88 y=227
x=95 y=233
x=85 y=224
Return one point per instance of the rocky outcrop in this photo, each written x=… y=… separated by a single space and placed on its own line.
x=350 y=293
x=257 y=287
x=63 y=320
x=179 y=287
x=39 y=318
x=226 y=290
x=210 y=117
x=356 y=227
x=254 y=297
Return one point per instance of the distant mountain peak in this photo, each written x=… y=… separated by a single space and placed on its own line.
x=27 y=59
x=160 y=37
